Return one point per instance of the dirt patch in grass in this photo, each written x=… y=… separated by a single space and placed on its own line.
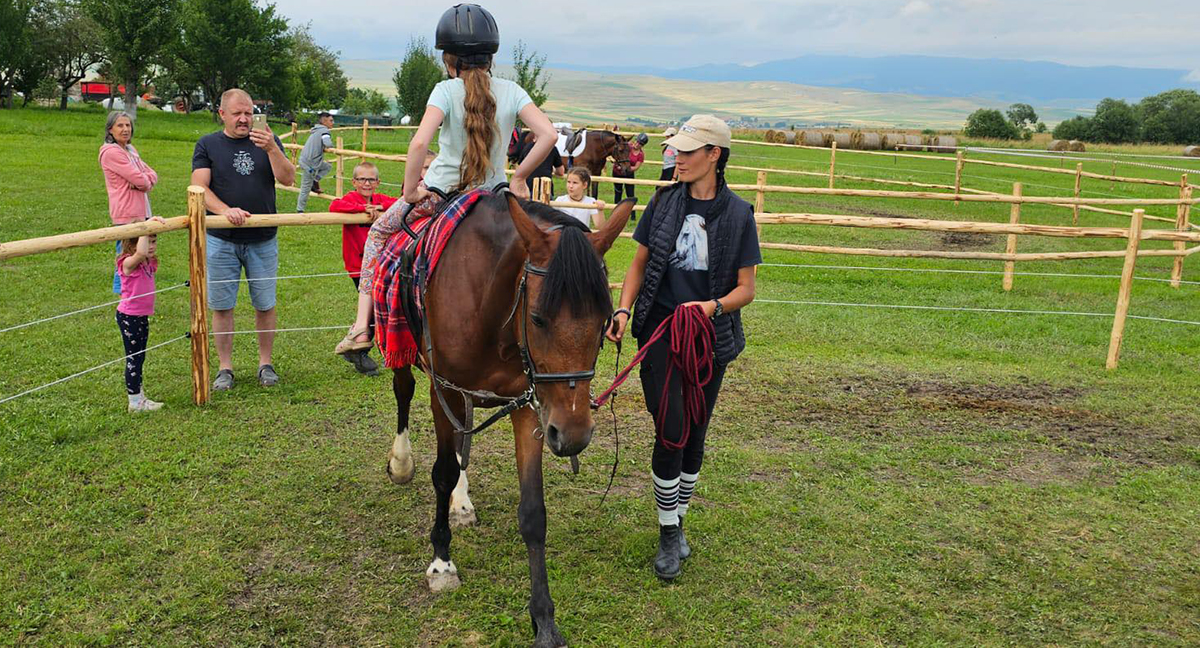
x=1029 y=432
x=966 y=240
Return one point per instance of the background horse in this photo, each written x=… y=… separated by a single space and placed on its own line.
x=600 y=146
x=519 y=301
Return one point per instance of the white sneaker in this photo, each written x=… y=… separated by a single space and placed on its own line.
x=145 y=405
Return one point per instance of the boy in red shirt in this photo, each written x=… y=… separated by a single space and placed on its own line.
x=364 y=198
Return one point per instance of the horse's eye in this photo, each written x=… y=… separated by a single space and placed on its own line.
x=537 y=320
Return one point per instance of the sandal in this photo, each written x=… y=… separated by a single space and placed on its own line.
x=349 y=344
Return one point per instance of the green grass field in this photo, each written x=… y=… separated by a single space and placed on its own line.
x=874 y=476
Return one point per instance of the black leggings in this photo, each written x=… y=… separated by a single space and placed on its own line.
x=668 y=173
x=619 y=189
x=666 y=463
x=135 y=332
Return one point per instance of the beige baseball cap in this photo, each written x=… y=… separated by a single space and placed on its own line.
x=700 y=131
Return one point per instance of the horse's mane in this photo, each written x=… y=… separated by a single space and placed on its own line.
x=576 y=276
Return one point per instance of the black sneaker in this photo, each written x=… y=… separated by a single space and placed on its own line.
x=666 y=563
x=267 y=376
x=366 y=364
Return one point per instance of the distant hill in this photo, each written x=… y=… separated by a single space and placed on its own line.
x=591 y=97
x=999 y=79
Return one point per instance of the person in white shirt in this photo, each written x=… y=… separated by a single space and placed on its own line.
x=578 y=181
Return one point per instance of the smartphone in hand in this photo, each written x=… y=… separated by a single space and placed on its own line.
x=259 y=122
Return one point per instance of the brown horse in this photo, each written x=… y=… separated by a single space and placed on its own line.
x=600 y=146
x=515 y=316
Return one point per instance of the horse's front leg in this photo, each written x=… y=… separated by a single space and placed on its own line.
x=400 y=465
x=442 y=575
x=531 y=516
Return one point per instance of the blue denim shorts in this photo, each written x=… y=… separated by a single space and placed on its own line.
x=225 y=263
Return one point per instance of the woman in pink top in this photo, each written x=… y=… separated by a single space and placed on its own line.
x=136 y=270
x=127 y=178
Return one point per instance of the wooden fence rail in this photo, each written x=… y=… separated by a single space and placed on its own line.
x=197 y=222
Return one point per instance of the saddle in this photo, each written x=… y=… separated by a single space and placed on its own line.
x=403 y=268
x=571 y=143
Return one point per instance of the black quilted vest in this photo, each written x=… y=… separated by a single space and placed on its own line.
x=667 y=211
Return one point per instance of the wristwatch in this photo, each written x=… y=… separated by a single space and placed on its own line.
x=719 y=309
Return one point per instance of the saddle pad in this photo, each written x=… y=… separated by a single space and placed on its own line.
x=561 y=144
x=402 y=270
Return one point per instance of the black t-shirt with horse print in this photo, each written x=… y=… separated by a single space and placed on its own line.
x=686 y=277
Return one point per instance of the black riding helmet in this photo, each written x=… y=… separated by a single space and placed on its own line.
x=467 y=30
x=642 y=139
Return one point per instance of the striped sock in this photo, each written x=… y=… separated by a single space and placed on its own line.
x=666 y=496
x=687 y=484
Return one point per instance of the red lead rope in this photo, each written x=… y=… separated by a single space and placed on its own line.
x=692 y=340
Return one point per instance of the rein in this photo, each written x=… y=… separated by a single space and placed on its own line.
x=691 y=353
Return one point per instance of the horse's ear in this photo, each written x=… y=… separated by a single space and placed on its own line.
x=602 y=239
x=531 y=235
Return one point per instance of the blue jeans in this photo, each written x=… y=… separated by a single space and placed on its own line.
x=225 y=262
x=117 y=277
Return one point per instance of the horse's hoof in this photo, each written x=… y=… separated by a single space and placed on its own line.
x=462 y=516
x=400 y=468
x=442 y=576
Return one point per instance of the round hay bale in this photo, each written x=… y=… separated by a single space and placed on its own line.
x=1192 y=151
x=870 y=141
x=769 y=136
x=1058 y=145
x=788 y=137
x=1075 y=146
x=943 y=144
x=914 y=142
x=842 y=139
x=812 y=138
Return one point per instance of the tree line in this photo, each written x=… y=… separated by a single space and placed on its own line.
x=181 y=47
x=1172 y=117
x=187 y=47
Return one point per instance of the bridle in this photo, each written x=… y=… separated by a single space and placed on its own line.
x=528 y=367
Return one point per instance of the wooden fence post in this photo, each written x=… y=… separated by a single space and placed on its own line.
x=547 y=189
x=295 y=155
x=1182 y=216
x=338 y=170
x=364 y=143
x=760 y=199
x=1078 y=185
x=1131 y=250
x=295 y=140
x=1014 y=218
x=198 y=290
x=832 y=161
x=958 y=169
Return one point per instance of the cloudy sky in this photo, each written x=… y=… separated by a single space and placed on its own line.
x=1152 y=33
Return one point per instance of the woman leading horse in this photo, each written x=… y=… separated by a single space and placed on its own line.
x=697 y=246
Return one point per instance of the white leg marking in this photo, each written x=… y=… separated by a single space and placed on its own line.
x=400 y=465
x=442 y=576
x=462 y=511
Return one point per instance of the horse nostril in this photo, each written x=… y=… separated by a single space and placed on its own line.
x=552 y=435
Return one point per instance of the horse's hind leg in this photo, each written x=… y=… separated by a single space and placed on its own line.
x=400 y=465
x=442 y=575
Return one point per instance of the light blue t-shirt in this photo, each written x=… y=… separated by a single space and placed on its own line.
x=448 y=96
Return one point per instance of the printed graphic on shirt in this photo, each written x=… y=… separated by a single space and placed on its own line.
x=243 y=163
x=691 y=248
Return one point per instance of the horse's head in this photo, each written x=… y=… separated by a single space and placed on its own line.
x=560 y=319
x=620 y=155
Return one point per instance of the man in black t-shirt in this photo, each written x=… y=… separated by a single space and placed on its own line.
x=238 y=167
x=551 y=166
